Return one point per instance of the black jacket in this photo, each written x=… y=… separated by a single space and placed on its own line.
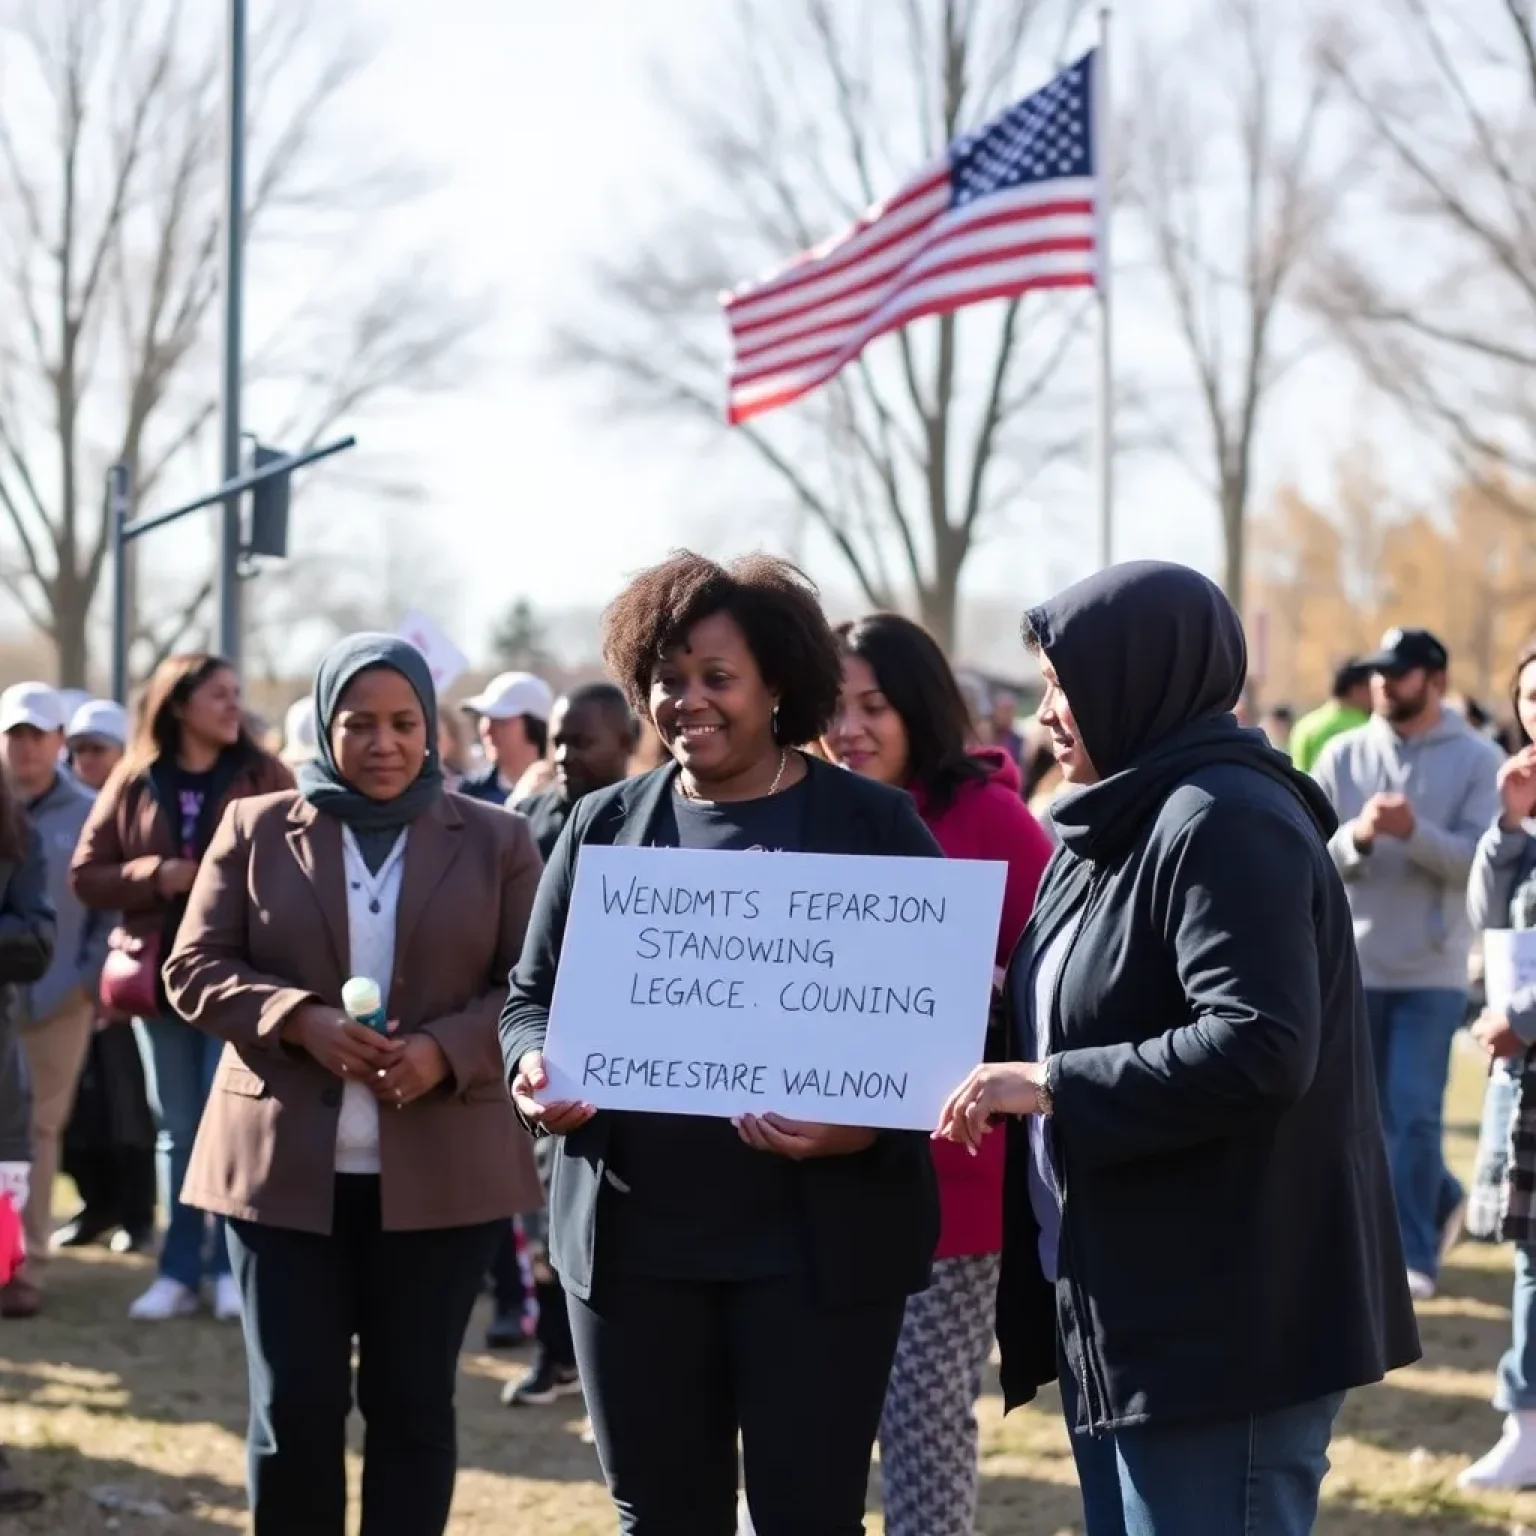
x=26 y=948
x=872 y=1218
x=547 y=813
x=1229 y=1241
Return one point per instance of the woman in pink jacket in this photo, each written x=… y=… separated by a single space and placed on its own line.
x=902 y=720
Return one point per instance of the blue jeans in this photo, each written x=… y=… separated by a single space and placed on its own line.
x=1257 y=1475
x=1411 y=1035
x=179 y=1063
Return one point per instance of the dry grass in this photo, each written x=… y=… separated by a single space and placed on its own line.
x=100 y=1411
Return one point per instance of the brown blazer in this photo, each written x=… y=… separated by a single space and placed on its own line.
x=128 y=837
x=266 y=931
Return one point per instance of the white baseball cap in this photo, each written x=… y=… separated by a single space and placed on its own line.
x=102 y=718
x=34 y=704
x=300 y=744
x=512 y=694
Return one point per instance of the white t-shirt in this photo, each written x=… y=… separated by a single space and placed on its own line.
x=371 y=903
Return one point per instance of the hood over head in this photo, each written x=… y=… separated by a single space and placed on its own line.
x=1141 y=650
x=1152 y=658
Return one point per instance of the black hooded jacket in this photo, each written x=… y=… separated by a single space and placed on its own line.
x=1229 y=1243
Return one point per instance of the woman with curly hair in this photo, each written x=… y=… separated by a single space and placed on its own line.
x=745 y=1277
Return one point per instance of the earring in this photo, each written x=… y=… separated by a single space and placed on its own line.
x=775 y=722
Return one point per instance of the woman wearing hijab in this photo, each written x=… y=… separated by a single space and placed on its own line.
x=365 y=1168
x=727 y=1278
x=902 y=719
x=1197 y=1192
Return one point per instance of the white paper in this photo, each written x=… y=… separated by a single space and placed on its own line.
x=845 y=990
x=447 y=661
x=1509 y=963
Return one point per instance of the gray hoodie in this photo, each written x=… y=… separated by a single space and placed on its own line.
x=80 y=948
x=1409 y=897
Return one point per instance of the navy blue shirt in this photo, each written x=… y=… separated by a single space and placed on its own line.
x=698 y=1203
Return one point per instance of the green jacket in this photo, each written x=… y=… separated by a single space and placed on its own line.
x=1313 y=732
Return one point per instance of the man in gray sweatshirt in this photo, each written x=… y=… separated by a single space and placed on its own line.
x=1414 y=789
x=59 y=1011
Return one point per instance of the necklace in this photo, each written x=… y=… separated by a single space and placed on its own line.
x=773 y=788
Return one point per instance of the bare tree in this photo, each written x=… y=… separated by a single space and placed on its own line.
x=908 y=458
x=1231 y=191
x=1436 y=296
x=110 y=216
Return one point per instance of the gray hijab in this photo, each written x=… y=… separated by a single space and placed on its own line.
x=320 y=781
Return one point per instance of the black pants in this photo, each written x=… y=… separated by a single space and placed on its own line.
x=116 y=1185
x=555 y=1322
x=506 y=1277
x=672 y=1369
x=406 y=1298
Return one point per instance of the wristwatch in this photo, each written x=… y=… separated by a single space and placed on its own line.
x=1045 y=1100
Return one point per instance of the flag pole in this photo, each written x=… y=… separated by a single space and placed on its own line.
x=1104 y=174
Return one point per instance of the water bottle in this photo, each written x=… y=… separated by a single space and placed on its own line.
x=365 y=1003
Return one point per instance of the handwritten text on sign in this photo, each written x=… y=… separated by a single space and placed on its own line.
x=849 y=990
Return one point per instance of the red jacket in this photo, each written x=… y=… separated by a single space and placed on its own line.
x=985 y=821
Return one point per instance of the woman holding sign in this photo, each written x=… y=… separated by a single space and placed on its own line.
x=902 y=719
x=350 y=945
x=727 y=1278
x=1501 y=893
x=1197 y=1191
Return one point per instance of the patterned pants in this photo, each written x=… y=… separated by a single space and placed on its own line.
x=928 y=1438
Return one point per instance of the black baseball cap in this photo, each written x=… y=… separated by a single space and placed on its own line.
x=1407 y=650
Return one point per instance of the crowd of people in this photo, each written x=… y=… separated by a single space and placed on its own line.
x=1230 y=966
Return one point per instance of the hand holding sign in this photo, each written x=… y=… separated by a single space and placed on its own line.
x=559 y=1117
x=1493 y=1034
x=800 y=1140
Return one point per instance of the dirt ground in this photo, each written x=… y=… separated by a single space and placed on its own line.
x=138 y=1429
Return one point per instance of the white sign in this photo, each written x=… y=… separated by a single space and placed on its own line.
x=447 y=661
x=846 y=990
x=1509 y=963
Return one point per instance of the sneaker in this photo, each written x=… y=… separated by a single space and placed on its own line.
x=226 y=1299
x=84 y=1229
x=20 y=1299
x=1511 y=1463
x=165 y=1299
x=134 y=1240
x=1421 y=1286
x=545 y=1383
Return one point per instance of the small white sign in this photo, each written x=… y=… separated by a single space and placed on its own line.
x=1509 y=963
x=846 y=990
x=447 y=661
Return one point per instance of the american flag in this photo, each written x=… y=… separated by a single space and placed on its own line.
x=1008 y=208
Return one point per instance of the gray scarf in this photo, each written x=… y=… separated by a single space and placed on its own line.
x=377 y=824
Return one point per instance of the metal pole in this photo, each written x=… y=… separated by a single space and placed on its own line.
x=119 y=506
x=1104 y=173
x=240 y=485
x=234 y=236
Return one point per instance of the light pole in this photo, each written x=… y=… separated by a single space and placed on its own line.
x=234 y=264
